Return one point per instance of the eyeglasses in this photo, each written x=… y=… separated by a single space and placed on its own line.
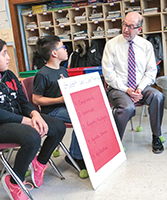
x=64 y=47
x=131 y=27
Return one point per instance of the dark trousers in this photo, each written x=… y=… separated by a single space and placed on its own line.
x=30 y=140
x=124 y=108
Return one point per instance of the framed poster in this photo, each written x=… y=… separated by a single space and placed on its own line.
x=94 y=125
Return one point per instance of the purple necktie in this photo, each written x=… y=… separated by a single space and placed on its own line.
x=131 y=67
x=0 y=75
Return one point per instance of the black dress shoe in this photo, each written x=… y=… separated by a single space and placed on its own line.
x=157 y=146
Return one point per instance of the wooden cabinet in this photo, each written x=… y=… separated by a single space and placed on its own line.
x=96 y=21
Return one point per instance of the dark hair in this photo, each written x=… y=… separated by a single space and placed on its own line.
x=2 y=43
x=46 y=45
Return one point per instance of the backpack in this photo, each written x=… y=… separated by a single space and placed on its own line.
x=93 y=55
x=79 y=56
x=157 y=45
x=86 y=57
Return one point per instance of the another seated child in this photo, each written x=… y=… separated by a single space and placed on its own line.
x=20 y=123
x=47 y=93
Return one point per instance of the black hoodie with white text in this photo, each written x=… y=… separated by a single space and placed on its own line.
x=13 y=102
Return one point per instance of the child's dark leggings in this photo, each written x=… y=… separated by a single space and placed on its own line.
x=30 y=140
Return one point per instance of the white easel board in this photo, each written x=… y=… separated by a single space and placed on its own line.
x=94 y=125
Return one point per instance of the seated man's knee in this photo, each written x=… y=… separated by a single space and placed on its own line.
x=130 y=109
x=127 y=110
x=158 y=96
x=161 y=97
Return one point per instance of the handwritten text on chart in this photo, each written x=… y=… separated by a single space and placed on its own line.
x=79 y=82
x=96 y=125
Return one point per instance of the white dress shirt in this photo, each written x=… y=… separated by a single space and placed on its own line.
x=115 y=62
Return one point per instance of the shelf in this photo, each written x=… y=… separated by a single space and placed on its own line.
x=152 y=23
x=154 y=32
x=99 y=21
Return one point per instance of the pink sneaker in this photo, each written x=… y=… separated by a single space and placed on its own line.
x=13 y=190
x=37 y=172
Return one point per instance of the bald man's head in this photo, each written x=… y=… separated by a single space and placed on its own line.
x=136 y=17
x=132 y=25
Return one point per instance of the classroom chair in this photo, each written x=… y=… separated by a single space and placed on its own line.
x=3 y=147
x=10 y=151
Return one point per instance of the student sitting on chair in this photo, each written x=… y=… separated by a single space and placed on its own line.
x=46 y=92
x=20 y=123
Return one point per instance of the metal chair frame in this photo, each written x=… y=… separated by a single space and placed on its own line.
x=50 y=162
x=143 y=114
x=9 y=168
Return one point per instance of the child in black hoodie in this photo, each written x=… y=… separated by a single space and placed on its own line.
x=20 y=123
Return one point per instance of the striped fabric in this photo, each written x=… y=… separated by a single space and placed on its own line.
x=131 y=67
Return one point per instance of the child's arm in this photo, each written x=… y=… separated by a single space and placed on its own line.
x=45 y=101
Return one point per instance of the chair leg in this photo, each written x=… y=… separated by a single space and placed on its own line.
x=56 y=169
x=69 y=156
x=15 y=177
x=145 y=111
x=142 y=114
x=131 y=122
x=132 y=129
x=7 y=159
x=58 y=148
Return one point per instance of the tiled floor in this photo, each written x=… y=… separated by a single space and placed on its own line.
x=142 y=176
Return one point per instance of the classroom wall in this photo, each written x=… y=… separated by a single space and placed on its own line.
x=6 y=34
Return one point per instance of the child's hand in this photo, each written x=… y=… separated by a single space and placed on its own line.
x=27 y=121
x=61 y=99
x=37 y=122
x=61 y=76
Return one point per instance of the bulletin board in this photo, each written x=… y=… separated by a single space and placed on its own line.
x=94 y=125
